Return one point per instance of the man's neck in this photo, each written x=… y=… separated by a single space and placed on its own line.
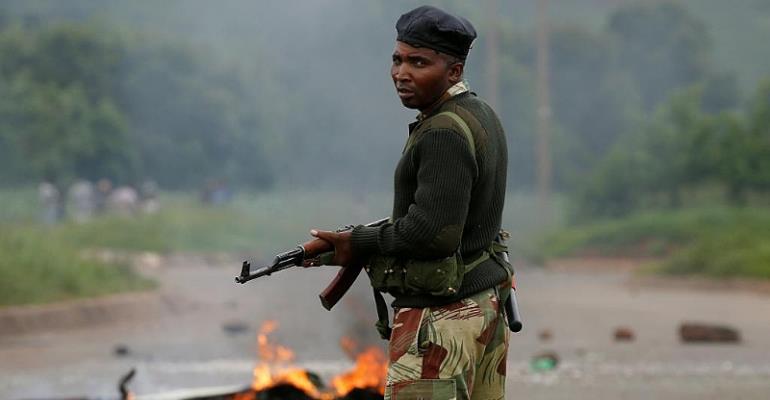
x=454 y=90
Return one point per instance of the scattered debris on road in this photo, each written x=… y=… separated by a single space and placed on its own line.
x=692 y=332
x=545 y=361
x=624 y=334
x=121 y=350
x=236 y=327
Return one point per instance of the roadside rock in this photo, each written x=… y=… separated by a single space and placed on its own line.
x=692 y=332
x=624 y=334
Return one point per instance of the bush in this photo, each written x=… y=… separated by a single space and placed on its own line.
x=36 y=266
x=733 y=253
x=714 y=241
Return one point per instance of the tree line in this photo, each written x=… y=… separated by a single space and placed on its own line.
x=85 y=101
x=683 y=152
x=91 y=99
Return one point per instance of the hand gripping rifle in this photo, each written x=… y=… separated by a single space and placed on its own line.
x=306 y=252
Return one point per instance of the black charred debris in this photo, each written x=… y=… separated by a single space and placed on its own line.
x=277 y=392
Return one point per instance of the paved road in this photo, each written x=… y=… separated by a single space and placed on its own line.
x=185 y=345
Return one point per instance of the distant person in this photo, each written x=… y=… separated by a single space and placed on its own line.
x=222 y=193
x=439 y=257
x=207 y=192
x=50 y=203
x=82 y=197
x=103 y=190
x=148 y=197
x=124 y=201
x=216 y=192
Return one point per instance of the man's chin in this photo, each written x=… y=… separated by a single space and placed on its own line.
x=409 y=103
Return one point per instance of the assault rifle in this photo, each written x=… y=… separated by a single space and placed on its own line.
x=305 y=254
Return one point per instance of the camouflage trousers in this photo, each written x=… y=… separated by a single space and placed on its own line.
x=452 y=352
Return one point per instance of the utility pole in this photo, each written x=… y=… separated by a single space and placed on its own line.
x=543 y=150
x=493 y=56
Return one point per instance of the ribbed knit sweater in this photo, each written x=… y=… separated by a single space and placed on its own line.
x=445 y=196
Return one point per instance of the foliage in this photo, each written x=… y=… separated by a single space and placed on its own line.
x=605 y=83
x=61 y=135
x=231 y=100
x=19 y=205
x=683 y=149
x=83 y=101
x=714 y=241
x=257 y=223
x=738 y=252
x=36 y=266
x=662 y=45
x=191 y=121
x=584 y=80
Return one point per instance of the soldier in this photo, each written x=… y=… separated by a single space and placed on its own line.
x=438 y=257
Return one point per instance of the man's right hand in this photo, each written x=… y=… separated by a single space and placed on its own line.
x=343 y=252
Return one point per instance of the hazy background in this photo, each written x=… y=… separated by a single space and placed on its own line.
x=227 y=129
x=261 y=93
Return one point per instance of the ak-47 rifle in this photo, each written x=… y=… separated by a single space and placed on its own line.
x=306 y=252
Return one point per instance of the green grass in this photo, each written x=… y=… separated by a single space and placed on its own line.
x=36 y=266
x=262 y=224
x=735 y=253
x=42 y=263
x=712 y=241
x=19 y=205
x=259 y=224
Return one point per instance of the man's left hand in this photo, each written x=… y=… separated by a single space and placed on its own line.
x=343 y=252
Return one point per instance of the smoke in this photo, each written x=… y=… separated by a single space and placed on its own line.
x=325 y=110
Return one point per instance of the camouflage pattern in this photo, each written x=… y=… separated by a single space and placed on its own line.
x=452 y=352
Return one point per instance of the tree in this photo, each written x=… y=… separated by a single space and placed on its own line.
x=662 y=45
x=593 y=102
x=60 y=135
x=81 y=101
x=684 y=147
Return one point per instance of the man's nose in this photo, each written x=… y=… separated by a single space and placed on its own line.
x=401 y=72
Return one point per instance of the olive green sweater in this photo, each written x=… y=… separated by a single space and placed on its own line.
x=446 y=197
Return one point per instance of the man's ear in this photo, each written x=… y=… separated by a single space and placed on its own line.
x=456 y=72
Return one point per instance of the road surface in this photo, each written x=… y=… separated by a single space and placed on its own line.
x=199 y=330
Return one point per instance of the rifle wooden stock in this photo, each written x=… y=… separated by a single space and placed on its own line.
x=339 y=286
x=345 y=277
x=341 y=283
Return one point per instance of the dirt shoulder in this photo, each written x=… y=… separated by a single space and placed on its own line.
x=637 y=276
x=20 y=320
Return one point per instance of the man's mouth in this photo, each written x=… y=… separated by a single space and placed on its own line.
x=404 y=92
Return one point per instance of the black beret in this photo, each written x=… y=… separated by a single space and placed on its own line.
x=436 y=29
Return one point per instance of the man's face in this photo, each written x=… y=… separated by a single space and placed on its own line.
x=422 y=75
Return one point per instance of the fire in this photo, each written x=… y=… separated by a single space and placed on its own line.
x=275 y=368
x=369 y=372
x=269 y=353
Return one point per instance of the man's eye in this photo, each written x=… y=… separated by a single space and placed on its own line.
x=419 y=63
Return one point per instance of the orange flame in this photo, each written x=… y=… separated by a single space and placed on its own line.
x=272 y=353
x=369 y=372
x=274 y=368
